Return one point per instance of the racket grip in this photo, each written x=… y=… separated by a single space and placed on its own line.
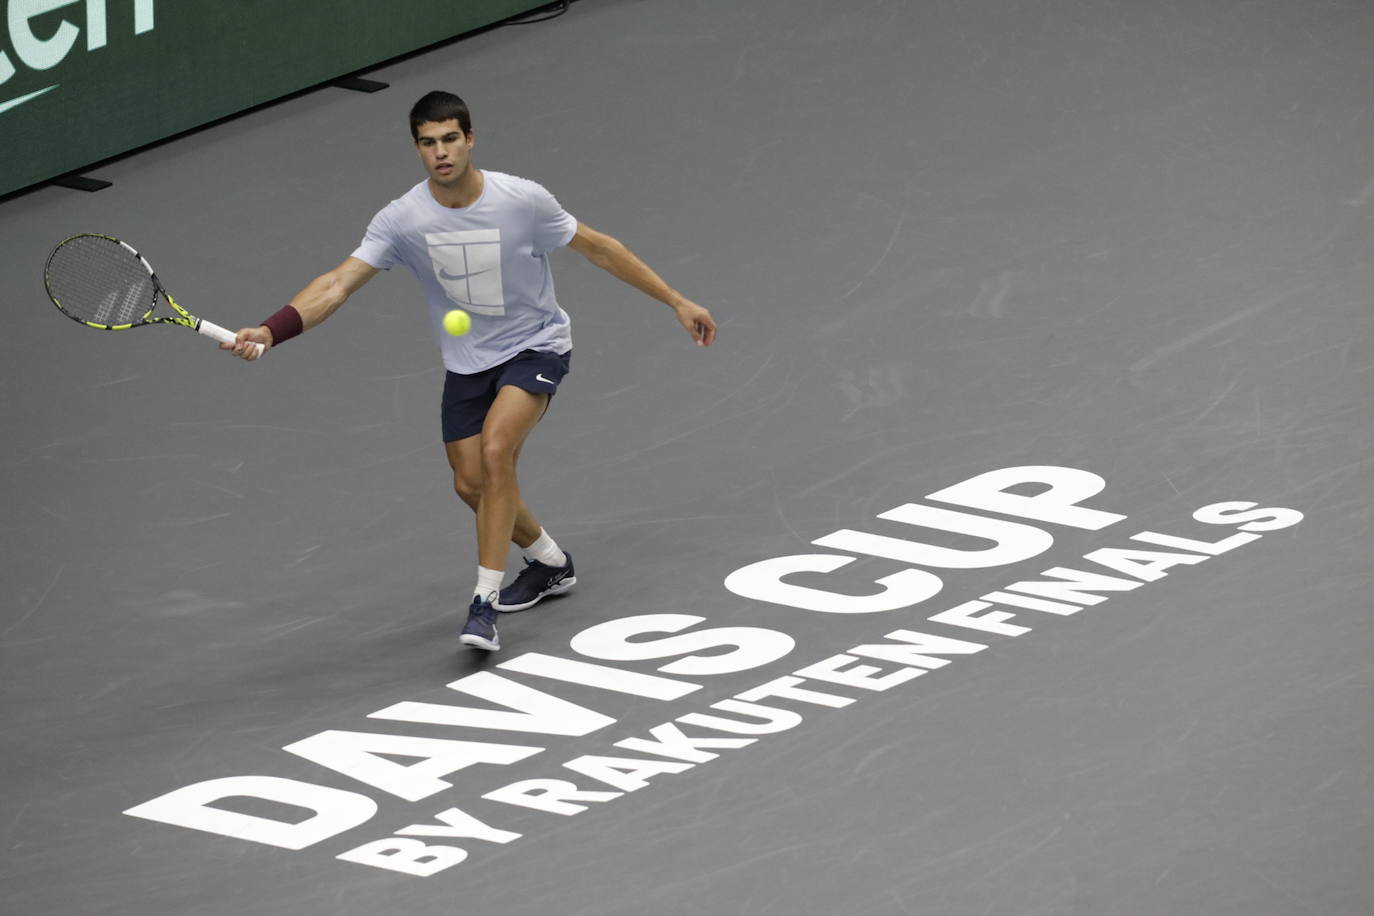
x=223 y=335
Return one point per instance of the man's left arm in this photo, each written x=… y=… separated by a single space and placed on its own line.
x=611 y=255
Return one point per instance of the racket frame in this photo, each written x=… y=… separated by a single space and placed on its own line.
x=182 y=317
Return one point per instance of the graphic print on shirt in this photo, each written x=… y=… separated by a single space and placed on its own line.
x=467 y=264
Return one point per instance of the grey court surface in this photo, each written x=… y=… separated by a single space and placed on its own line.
x=1128 y=240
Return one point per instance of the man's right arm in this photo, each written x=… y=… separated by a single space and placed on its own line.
x=320 y=299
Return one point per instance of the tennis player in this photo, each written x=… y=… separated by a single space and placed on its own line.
x=479 y=240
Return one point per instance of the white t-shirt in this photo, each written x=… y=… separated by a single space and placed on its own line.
x=489 y=259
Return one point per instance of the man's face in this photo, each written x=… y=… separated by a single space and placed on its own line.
x=444 y=149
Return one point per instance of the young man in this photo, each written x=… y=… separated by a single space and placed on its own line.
x=479 y=241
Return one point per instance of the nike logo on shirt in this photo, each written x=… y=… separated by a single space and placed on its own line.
x=476 y=273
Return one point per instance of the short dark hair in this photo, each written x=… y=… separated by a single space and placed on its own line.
x=439 y=106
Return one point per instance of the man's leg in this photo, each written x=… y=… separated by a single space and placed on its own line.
x=548 y=568
x=513 y=415
x=509 y=421
x=465 y=458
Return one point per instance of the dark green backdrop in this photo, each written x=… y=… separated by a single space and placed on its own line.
x=84 y=80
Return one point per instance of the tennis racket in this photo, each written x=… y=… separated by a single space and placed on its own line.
x=104 y=283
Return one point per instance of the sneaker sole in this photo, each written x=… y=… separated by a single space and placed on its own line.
x=557 y=588
x=478 y=642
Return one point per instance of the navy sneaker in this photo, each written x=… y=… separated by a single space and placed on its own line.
x=535 y=581
x=480 y=630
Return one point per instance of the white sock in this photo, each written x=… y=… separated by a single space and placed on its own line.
x=546 y=551
x=488 y=583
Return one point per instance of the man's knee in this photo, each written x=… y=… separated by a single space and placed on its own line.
x=498 y=458
x=469 y=490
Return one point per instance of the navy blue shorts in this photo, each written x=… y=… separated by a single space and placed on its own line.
x=467 y=398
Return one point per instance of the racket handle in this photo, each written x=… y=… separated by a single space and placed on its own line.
x=223 y=335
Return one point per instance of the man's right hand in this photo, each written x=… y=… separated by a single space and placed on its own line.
x=243 y=345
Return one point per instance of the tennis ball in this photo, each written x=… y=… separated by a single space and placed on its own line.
x=457 y=322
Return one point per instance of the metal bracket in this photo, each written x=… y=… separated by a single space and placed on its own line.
x=81 y=183
x=359 y=84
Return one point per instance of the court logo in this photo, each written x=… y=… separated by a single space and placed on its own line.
x=467 y=264
x=44 y=53
x=570 y=752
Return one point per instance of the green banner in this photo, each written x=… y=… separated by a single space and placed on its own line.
x=84 y=80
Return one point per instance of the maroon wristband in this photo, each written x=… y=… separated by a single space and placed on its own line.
x=285 y=323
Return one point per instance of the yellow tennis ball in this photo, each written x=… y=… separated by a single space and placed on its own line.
x=457 y=322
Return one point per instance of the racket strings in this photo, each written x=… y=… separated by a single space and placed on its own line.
x=100 y=281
